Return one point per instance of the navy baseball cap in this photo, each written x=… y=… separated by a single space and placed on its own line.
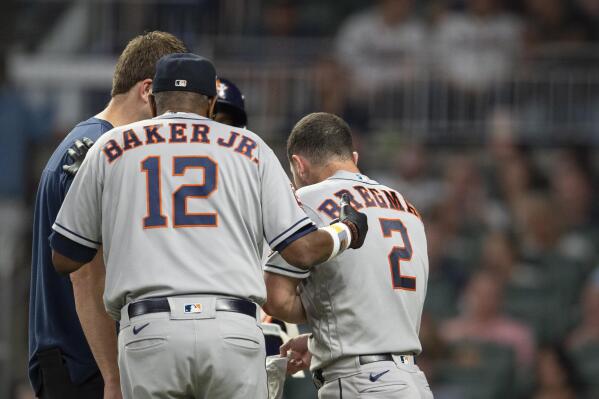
x=231 y=100
x=185 y=72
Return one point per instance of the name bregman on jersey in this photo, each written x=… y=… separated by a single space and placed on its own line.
x=372 y=198
x=177 y=133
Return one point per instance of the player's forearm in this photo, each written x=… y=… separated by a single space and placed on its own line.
x=291 y=311
x=282 y=299
x=296 y=313
x=327 y=242
x=99 y=328
x=310 y=250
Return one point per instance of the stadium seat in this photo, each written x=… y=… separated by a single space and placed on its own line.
x=441 y=299
x=586 y=358
x=535 y=306
x=479 y=370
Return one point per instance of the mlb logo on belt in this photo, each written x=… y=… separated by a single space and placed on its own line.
x=193 y=308
x=181 y=83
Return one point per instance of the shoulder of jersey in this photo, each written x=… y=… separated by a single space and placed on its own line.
x=254 y=136
x=316 y=192
x=332 y=184
x=228 y=128
x=117 y=131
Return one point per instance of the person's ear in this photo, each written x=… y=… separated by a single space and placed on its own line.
x=145 y=90
x=355 y=156
x=152 y=101
x=298 y=163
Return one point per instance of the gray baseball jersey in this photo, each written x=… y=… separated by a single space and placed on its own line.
x=367 y=301
x=181 y=205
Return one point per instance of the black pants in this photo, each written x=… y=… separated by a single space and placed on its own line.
x=56 y=383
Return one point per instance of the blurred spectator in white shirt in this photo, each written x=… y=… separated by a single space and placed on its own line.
x=479 y=46
x=382 y=45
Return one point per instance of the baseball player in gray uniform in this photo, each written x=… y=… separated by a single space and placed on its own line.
x=363 y=307
x=182 y=205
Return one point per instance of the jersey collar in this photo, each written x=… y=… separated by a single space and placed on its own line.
x=179 y=115
x=345 y=175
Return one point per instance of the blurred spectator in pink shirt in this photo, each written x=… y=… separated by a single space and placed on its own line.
x=481 y=319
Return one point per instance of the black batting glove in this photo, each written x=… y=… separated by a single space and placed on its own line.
x=356 y=221
x=77 y=153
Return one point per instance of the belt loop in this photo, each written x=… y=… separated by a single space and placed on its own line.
x=357 y=364
x=124 y=322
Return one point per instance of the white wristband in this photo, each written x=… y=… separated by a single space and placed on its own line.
x=341 y=235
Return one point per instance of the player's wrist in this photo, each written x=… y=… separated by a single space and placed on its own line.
x=353 y=230
x=355 y=221
x=341 y=235
x=112 y=379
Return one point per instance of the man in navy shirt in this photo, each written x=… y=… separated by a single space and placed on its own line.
x=72 y=341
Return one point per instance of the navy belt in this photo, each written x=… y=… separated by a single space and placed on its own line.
x=158 y=305
x=367 y=359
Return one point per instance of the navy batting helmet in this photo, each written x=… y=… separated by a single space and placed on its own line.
x=230 y=102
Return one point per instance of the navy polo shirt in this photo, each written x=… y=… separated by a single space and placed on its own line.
x=53 y=320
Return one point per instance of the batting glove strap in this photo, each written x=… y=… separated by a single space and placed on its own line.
x=341 y=235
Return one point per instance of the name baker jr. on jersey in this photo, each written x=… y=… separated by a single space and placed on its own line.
x=177 y=133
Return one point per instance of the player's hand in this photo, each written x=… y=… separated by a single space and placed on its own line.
x=296 y=350
x=77 y=153
x=356 y=221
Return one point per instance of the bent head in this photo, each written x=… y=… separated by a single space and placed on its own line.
x=319 y=145
x=135 y=68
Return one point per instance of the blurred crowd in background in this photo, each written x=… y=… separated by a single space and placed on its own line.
x=483 y=113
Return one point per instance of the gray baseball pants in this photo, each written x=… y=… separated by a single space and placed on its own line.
x=203 y=355
x=382 y=380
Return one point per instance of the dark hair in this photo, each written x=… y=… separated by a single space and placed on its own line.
x=138 y=60
x=319 y=137
x=180 y=101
